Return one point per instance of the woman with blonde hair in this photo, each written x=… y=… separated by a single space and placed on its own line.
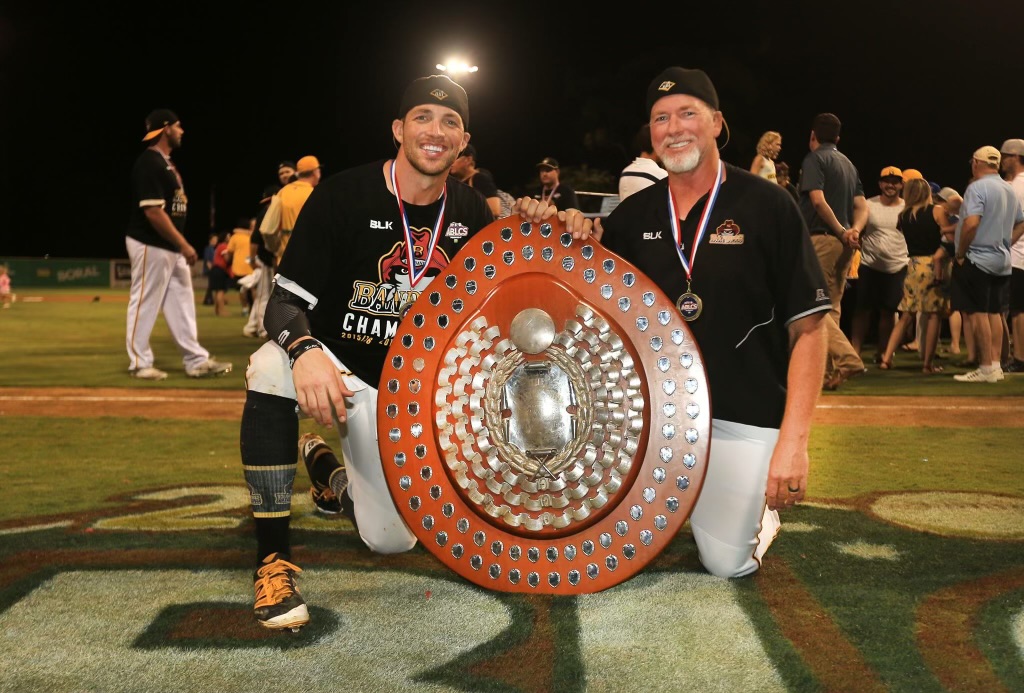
x=922 y=223
x=768 y=148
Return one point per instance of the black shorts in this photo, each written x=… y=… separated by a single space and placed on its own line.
x=976 y=291
x=1016 y=291
x=219 y=279
x=879 y=290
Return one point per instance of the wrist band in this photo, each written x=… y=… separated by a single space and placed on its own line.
x=301 y=348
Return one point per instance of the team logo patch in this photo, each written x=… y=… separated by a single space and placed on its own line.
x=727 y=233
x=456 y=230
x=820 y=295
x=439 y=94
x=666 y=85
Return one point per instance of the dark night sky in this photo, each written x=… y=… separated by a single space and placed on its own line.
x=916 y=84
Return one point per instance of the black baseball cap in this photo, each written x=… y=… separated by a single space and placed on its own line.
x=286 y=164
x=681 y=80
x=468 y=150
x=436 y=89
x=548 y=162
x=157 y=120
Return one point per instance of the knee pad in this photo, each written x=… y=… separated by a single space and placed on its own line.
x=268 y=372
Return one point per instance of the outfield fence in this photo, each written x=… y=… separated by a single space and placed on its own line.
x=47 y=272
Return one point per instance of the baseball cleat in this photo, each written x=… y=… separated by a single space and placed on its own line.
x=325 y=500
x=148 y=373
x=278 y=604
x=208 y=368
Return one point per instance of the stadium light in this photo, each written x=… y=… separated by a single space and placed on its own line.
x=456 y=67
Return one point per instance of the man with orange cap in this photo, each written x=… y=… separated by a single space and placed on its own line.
x=287 y=203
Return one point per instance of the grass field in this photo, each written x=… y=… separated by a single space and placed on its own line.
x=127 y=553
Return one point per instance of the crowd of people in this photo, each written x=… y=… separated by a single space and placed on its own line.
x=889 y=262
x=919 y=256
x=775 y=260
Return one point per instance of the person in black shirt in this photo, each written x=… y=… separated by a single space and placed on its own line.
x=161 y=256
x=735 y=250
x=479 y=179
x=553 y=190
x=369 y=240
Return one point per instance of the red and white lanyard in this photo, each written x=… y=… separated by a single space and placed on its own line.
x=705 y=217
x=410 y=242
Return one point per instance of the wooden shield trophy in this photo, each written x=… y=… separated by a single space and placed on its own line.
x=543 y=414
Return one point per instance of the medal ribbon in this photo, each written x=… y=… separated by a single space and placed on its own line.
x=546 y=199
x=705 y=217
x=410 y=254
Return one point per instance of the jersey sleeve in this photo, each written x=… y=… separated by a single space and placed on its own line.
x=148 y=184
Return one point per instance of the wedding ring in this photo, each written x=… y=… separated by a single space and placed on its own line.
x=793 y=490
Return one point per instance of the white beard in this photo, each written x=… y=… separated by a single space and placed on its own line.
x=681 y=163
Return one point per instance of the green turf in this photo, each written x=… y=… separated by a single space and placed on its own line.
x=128 y=542
x=83 y=344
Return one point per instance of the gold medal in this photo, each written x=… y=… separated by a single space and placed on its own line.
x=690 y=306
x=689 y=303
x=404 y=309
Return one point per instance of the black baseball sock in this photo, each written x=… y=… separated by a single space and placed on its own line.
x=269 y=430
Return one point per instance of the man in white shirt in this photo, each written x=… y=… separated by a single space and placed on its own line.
x=645 y=169
x=1012 y=167
x=883 y=263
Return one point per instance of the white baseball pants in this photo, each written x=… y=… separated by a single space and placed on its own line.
x=161 y=281
x=731 y=522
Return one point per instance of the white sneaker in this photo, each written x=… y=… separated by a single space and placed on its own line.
x=999 y=375
x=148 y=373
x=976 y=376
x=208 y=368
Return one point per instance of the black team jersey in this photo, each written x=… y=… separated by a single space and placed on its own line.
x=348 y=252
x=755 y=271
x=155 y=179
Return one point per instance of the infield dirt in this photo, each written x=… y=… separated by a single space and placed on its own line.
x=208 y=404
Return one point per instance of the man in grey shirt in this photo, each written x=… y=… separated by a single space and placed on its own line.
x=832 y=202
